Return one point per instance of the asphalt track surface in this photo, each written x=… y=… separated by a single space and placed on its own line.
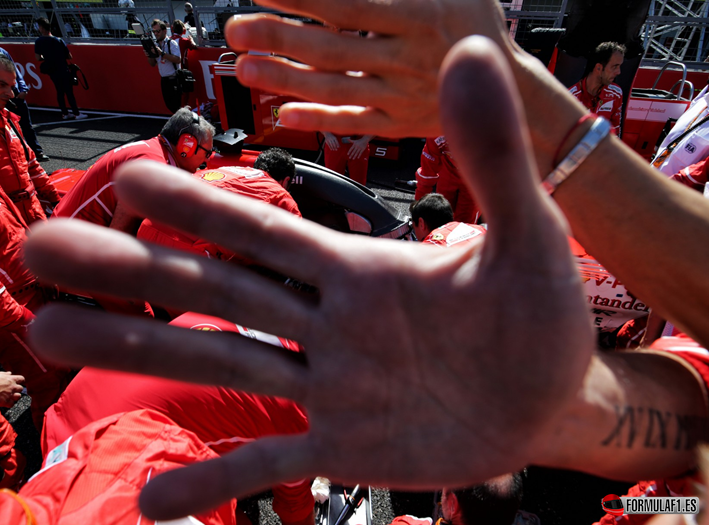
x=557 y=497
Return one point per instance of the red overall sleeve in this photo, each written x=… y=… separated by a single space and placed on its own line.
x=427 y=174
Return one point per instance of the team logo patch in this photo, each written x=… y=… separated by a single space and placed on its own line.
x=206 y=327
x=608 y=106
x=437 y=237
x=210 y=176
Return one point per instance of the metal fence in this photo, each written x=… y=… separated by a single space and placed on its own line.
x=674 y=30
x=110 y=21
x=677 y=30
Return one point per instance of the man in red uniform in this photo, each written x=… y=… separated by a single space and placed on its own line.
x=432 y=217
x=20 y=297
x=252 y=182
x=21 y=176
x=223 y=419
x=349 y=153
x=185 y=141
x=596 y=90
x=438 y=170
x=97 y=475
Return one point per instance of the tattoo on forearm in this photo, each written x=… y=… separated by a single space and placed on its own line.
x=651 y=428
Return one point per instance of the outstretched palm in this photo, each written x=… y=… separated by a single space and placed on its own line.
x=424 y=366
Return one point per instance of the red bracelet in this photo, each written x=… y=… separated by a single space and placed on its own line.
x=587 y=116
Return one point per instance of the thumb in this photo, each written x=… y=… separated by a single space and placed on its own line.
x=248 y=470
x=484 y=123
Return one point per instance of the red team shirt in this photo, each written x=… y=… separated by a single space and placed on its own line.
x=96 y=476
x=21 y=176
x=241 y=180
x=221 y=418
x=608 y=104
x=92 y=198
x=438 y=169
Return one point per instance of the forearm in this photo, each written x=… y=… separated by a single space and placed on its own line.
x=638 y=416
x=641 y=226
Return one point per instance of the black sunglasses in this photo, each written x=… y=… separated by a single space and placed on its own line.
x=207 y=152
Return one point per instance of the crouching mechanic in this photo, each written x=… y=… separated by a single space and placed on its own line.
x=185 y=141
x=433 y=223
x=611 y=304
x=21 y=177
x=438 y=170
x=96 y=476
x=223 y=419
x=267 y=181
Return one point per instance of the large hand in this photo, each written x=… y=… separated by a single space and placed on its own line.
x=396 y=95
x=424 y=367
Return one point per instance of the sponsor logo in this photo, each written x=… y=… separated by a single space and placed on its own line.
x=275 y=117
x=608 y=106
x=630 y=304
x=210 y=176
x=204 y=327
x=690 y=148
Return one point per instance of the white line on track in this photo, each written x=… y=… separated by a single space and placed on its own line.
x=73 y=120
x=108 y=113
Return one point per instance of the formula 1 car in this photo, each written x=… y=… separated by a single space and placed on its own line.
x=323 y=196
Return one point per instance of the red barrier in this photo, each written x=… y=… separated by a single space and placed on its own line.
x=120 y=78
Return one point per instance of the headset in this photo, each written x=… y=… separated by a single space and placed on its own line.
x=188 y=144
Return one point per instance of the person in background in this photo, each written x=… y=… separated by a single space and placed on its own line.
x=53 y=54
x=19 y=107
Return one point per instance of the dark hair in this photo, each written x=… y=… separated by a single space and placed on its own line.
x=494 y=502
x=277 y=162
x=178 y=27
x=157 y=21
x=44 y=24
x=604 y=52
x=434 y=209
x=186 y=121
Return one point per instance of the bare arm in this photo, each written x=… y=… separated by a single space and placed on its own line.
x=638 y=416
x=125 y=221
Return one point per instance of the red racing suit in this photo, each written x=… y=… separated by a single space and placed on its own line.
x=690 y=353
x=339 y=159
x=96 y=476
x=12 y=461
x=21 y=176
x=223 y=419
x=608 y=104
x=20 y=296
x=241 y=180
x=454 y=233
x=611 y=305
x=92 y=198
x=694 y=176
x=438 y=170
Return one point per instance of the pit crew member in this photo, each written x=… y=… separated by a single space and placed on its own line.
x=596 y=91
x=222 y=418
x=267 y=181
x=438 y=170
x=21 y=176
x=185 y=141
